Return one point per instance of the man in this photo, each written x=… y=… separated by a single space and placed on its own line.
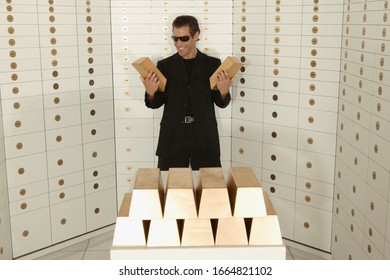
x=188 y=129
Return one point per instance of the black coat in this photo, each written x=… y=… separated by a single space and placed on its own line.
x=178 y=90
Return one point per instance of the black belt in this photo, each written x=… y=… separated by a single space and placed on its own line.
x=188 y=119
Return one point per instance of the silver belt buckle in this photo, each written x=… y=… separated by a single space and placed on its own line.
x=188 y=119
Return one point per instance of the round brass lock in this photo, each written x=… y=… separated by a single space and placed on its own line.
x=384 y=32
x=351 y=227
x=342 y=126
x=88 y=18
x=11 y=42
x=90 y=60
x=306 y=225
x=276 y=61
x=61 y=195
x=308 y=185
x=277 y=40
x=51 y=2
x=311 y=119
x=91 y=82
x=272 y=190
x=370 y=231
x=242 y=81
x=92 y=96
x=346 y=42
x=277 y=9
x=274 y=134
x=92 y=112
x=312 y=102
x=274 y=114
x=241 y=151
x=273 y=177
x=354 y=189
x=19 y=146
x=310 y=141
x=376 y=148
x=242 y=110
x=242 y=129
x=335 y=238
x=95 y=173
x=13 y=65
x=9 y=8
x=381 y=76
x=89 y=40
x=347 y=30
x=16 y=105
x=313 y=63
x=88 y=10
x=341 y=148
x=357 y=136
x=273 y=157
x=97 y=210
x=313 y=75
x=93 y=132
x=53 y=41
x=383 y=47
x=61 y=182
x=54 y=74
x=277 y=29
x=63 y=221
x=343 y=107
x=372 y=206
x=360 y=98
x=316 y=18
x=21 y=171
x=56 y=100
x=56 y=86
x=385 y=17
x=243 y=49
x=51 y=9
x=243 y=39
x=275 y=83
x=57 y=118
x=11 y=30
x=91 y=71
x=312 y=87
x=337 y=210
x=382 y=62
x=96 y=186
x=355 y=160
x=25 y=233
x=276 y=50
x=309 y=165
x=364 y=17
x=242 y=93
x=353 y=212
x=14 y=77
x=314 y=52
x=358 y=115
x=243 y=28
x=243 y=69
x=307 y=198
x=277 y=18
x=364 y=31
x=94 y=154
x=52 y=30
x=377 y=126
x=22 y=192
x=23 y=206
x=275 y=97
x=54 y=63
x=60 y=162
x=314 y=41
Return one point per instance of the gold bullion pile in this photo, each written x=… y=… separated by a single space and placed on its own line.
x=215 y=212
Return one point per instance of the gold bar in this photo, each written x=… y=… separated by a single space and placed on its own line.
x=266 y=230
x=124 y=210
x=231 y=64
x=212 y=194
x=144 y=65
x=180 y=196
x=163 y=233
x=129 y=233
x=245 y=193
x=148 y=192
x=231 y=232
x=197 y=232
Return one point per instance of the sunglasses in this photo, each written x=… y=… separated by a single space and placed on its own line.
x=182 y=38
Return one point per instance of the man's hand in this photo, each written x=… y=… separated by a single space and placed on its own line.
x=224 y=82
x=151 y=83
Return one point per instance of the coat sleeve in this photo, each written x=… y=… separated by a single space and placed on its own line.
x=216 y=94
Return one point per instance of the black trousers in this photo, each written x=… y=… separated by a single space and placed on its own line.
x=189 y=155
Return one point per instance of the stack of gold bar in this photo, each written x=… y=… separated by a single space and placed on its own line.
x=215 y=212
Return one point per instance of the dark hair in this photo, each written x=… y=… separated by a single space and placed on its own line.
x=187 y=20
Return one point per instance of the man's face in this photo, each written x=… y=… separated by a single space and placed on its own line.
x=187 y=49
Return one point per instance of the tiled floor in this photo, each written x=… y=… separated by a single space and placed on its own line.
x=98 y=248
